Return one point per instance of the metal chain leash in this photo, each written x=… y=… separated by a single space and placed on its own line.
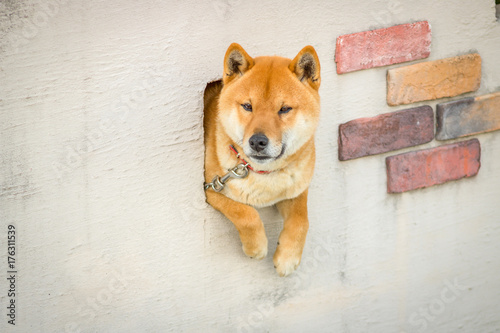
x=218 y=183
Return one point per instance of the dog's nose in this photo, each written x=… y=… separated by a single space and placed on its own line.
x=258 y=142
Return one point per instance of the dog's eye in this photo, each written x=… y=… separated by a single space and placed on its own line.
x=247 y=107
x=284 y=109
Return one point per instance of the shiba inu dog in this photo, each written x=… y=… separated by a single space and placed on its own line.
x=259 y=147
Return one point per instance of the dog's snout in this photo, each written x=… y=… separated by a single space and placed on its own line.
x=258 y=142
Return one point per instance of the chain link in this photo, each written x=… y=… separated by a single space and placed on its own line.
x=218 y=183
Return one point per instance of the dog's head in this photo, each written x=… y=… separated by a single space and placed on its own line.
x=270 y=105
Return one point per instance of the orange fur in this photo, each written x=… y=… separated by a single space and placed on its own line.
x=284 y=101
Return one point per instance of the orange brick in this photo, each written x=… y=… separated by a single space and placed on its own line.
x=434 y=79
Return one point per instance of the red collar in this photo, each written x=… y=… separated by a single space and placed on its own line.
x=262 y=172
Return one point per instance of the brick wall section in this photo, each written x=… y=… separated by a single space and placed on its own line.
x=468 y=116
x=419 y=82
x=418 y=169
x=381 y=47
x=386 y=132
x=433 y=79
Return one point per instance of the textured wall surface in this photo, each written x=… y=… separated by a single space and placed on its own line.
x=101 y=171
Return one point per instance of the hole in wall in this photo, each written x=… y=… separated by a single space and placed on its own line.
x=212 y=90
x=211 y=93
x=497 y=6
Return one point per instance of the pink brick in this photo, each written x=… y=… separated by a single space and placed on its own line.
x=386 y=132
x=418 y=169
x=383 y=47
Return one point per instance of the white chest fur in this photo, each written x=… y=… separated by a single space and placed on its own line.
x=261 y=190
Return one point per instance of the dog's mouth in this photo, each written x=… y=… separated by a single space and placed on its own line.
x=266 y=158
x=260 y=157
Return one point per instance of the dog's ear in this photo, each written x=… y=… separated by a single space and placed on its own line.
x=306 y=66
x=236 y=62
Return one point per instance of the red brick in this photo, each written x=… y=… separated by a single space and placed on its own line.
x=434 y=79
x=375 y=48
x=468 y=116
x=418 y=169
x=386 y=132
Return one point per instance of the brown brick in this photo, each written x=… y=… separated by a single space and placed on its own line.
x=381 y=47
x=418 y=169
x=434 y=79
x=468 y=116
x=386 y=132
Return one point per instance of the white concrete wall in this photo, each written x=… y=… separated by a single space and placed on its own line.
x=102 y=164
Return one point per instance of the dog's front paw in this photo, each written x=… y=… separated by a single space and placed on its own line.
x=255 y=245
x=287 y=259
